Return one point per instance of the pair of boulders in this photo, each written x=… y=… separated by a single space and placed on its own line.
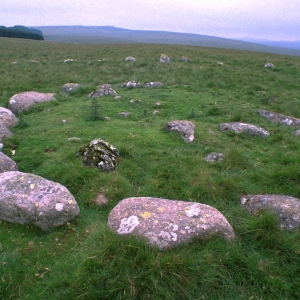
x=23 y=101
x=30 y=199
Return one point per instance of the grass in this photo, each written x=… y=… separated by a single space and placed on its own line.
x=83 y=259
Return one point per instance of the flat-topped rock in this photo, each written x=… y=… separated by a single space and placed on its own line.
x=23 y=101
x=286 y=208
x=279 y=118
x=249 y=129
x=168 y=223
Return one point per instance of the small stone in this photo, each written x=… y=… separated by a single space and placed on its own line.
x=101 y=200
x=124 y=113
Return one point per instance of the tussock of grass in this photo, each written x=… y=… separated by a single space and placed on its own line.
x=83 y=259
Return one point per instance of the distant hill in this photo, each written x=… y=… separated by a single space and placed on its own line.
x=283 y=44
x=115 y=35
x=23 y=32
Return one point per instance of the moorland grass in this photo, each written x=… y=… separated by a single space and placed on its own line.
x=83 y=259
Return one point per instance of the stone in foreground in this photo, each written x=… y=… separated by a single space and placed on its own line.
x=249 y=129
x=7 y=164
x=168 y=223
x=185 y=128
x=99 y=153
x=286 y=208
x=23 y=101
x=30 y=199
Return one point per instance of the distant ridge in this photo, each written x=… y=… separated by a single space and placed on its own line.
x=115 y=35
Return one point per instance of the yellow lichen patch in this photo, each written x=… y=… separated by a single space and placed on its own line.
x=36 y=205
x=21 y=178
x=146 y=215
x=207 y=215
x=203 y=220
x=161 y=208
x=32 y=186
x=72 y=202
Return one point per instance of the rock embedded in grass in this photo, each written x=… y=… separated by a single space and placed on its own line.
x=7 y=164
x=185 y=128
x=185 y=59
x=164 y=58
x=30 y=199
x=249 y=129
x=286 y=208
x=166 y=223
x=153 y=84
x=214 y=156
x=69 y=87
x=130 y=58
x=23 y=101
x=99 y=153
x=279 y=118
x=133 y=84
x=4 y=132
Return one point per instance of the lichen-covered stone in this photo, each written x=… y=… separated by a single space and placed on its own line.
x=168 y=223
x=103 y=92
x=249 y=129
x=286 y=208
x=30 y=199
x=99 y=153
x=279 y=118
x=69 y=87
x=7 y=164
x=7 y=117
x=185 y=59
x=185 y=128
x=23 y=101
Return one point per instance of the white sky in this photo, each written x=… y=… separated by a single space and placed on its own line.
x=258 y=19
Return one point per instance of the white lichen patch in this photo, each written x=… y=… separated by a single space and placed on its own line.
x=193 y=211
x=59 y=206
x=127 y=225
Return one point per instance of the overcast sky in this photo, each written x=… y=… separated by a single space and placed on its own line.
x=237 y=19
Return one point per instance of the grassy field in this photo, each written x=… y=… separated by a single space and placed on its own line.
x=83 y=259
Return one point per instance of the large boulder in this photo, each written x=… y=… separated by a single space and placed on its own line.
x=23 y=101
x=279 y=118
x=30 y=199
x=107 y=91
x=249 y=129
x=99 y=153
x=185 y=128
x=164 y=58
x=168 y=223
x=4 y=132
x=69 y=87
x=153 y=84
x=7 y=117
x=7 y=164
x=286 y=208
